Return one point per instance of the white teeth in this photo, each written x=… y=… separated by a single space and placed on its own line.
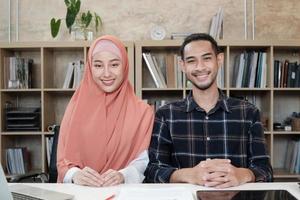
x=107 y=82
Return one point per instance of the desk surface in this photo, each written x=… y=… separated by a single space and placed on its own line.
x=91 y=193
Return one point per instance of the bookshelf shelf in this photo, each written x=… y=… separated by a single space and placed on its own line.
x=282 y=173
x=162 y=89
x=287 y=89
x=22 y=133
x=286 y=132
x=58 y=90
x=21 y=90
x=276 y=104
x=50 y=62
x=249 y=89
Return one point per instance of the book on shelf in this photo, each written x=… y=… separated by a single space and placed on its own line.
x=179 y=74
x=49 y=144
x=286 y=74
x=159 y=82
x=220 y=77
x=17 y=72
x=292 y=156
x=216 y=25
x=175 y=36
x=78 y=73
x=74 y=74
x=250 y=70
x=160 y=66
x=17 y=160
x=156 y=103
x=69 y=75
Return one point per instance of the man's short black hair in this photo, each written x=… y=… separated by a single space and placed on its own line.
x=197 y=37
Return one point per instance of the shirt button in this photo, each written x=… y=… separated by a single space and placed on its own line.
x=206 y=117
x=208 y=138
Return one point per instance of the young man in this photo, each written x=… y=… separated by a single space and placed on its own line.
x=208 y=138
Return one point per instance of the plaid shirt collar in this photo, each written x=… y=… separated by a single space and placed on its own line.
x=190 y=103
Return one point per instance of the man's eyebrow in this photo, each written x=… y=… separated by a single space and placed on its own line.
x=207 y=54
x=203 y=55
x=189 y=57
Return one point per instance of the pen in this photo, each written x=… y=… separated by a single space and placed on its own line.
x=110 y=197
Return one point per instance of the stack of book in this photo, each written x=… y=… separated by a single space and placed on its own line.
x=179 y=36
x=17 y=72
x=250 y=70
x=216 y=25
x=74 y=74
x=286 y=74
x=49 y=144
x=17 y=160
x=164 y=69
x=292 y=157
x=23 y=119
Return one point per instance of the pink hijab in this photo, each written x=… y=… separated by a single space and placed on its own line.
x=103 y=130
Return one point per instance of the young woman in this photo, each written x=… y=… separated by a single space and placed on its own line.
x=106 y=129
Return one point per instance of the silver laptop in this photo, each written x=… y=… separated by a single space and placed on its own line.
x=21 y=191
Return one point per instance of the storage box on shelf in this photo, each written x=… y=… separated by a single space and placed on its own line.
x=256 y=85
x=48 y=74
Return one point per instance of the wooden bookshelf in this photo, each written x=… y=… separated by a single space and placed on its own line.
x=50 y=59
x=49 y=69
x=275 y=103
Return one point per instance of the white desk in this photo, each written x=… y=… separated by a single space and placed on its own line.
x=90 y=193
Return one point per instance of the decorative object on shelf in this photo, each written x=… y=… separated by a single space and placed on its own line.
x=278 y=126
x=292 y=122
x=157 y=32
x=180 y=35
x=78 y=23
x=23 y=119
x=295 y=121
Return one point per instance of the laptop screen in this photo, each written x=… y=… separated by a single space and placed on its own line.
x=4 y=192
x=245 y=195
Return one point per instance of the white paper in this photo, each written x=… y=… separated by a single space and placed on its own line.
x=177 y=193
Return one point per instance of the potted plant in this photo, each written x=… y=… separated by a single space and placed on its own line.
x=76 y=20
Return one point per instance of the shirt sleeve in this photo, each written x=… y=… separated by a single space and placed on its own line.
x=160 y=165
x=258 y=159
x=134 y=172
x=69 y=174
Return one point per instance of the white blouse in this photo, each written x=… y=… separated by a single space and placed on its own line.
x=133 y=173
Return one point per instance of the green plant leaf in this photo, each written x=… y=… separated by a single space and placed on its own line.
x=67 y=2
x=70 y=17
x=86 y=18
x=98 y=21
x=54 y=27
x=77 y=6
x=72 y=12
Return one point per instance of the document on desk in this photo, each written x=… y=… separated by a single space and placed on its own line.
x=172 y=193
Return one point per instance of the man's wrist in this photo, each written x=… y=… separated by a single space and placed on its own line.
x=248 y=175
x=180 y=176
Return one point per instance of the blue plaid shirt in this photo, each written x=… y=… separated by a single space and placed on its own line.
x=184 y=134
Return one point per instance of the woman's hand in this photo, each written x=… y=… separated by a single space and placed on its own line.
x=112 y=177
x=89 y=177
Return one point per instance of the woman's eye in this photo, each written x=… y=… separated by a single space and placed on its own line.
x=115 y=65
x=98 y=65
